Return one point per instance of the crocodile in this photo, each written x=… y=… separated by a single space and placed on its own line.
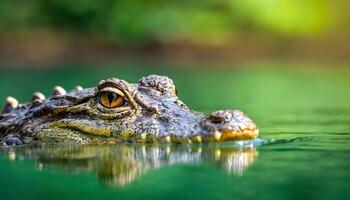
x=117 y=111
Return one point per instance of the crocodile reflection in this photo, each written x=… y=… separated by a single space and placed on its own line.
x=118 y=165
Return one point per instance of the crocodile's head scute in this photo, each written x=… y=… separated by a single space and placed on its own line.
x=117 y=111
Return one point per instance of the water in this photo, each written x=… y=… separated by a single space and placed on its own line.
x=305 y=109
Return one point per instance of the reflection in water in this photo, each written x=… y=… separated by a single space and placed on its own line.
x=118 y=165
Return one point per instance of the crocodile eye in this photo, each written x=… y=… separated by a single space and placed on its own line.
x=111 y=99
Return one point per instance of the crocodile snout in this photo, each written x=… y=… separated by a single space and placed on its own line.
x=226 y=125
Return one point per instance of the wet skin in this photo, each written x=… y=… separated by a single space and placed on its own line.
x=117 y=111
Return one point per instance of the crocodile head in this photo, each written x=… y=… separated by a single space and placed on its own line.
x=116 y=110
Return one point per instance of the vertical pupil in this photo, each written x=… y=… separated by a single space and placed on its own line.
x=111 y=97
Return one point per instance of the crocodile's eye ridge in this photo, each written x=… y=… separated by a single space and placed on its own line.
x=110 y=99
x=160 y=83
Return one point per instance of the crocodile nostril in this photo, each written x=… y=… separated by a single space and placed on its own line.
x=220 y=116
x=216 y=119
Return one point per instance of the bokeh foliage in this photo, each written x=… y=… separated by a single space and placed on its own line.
x=197 y=20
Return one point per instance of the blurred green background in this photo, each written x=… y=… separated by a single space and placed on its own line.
x=48 y=32
x=283 y=62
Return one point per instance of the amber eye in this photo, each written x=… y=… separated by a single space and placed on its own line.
x=111 y=99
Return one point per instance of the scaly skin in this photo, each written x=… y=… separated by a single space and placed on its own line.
x=148 y=112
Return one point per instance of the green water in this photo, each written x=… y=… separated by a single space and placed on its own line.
x=306 y=108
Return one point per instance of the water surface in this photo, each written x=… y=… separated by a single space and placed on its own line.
x=306 y=109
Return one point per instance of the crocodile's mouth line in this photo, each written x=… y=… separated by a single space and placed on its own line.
x=244 y=134
x=87 y=129
x=99 y=132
